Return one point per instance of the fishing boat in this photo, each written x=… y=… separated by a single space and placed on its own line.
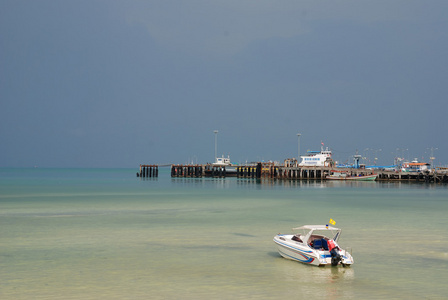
x=224 y=163
x=343 y=175
x=314 y=245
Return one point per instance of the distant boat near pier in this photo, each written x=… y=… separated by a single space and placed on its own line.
x=343 y=175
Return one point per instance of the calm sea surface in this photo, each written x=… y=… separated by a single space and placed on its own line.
x=106 y=234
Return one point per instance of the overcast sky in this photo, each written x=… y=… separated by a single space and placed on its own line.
x=120 y=83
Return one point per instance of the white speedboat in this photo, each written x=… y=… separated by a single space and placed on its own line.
x=314 y=245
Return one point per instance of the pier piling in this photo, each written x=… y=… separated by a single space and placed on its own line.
x=148 y=171
x=187 y=171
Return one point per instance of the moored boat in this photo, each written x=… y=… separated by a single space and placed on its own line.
x=320 y=158
x=224 y=163
x=314 y=245
x=343 y=175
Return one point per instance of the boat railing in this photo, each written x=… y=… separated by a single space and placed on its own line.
x=348 y=249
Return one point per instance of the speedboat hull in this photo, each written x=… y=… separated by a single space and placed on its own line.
x=295 y=252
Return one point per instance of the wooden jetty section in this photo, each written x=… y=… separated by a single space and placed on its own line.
x=148 y=171
x=187 y=170
x=250 y=171
x=290 y=171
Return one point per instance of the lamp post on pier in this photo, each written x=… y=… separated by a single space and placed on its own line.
x=432 y=158
x=216 y=143
x=298 y=150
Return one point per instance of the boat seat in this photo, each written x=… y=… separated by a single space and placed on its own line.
x=317 y=244
x=325 y=244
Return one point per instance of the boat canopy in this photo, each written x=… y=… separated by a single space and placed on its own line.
x=308 y=231
x=316 y=227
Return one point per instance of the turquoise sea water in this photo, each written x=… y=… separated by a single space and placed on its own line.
x=106 y=234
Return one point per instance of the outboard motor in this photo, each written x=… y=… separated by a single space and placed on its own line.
x=334 y=251
x=335 y=257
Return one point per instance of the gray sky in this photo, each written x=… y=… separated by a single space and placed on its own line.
x=119 y=83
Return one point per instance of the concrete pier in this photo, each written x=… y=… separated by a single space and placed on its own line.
x=291 y=172
x=435 y=176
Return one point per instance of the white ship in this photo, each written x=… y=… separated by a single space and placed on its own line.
x=320 y=158
x=222 y=161
x=225 y=164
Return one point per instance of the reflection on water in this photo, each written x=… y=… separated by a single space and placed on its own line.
x=295 y=271
x=294 y=183
x=317 y=281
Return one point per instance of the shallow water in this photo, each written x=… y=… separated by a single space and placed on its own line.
x=97 y=234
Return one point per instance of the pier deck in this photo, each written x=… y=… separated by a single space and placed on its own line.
x=274 y=171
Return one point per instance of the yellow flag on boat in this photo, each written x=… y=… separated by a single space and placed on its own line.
x=332 y=222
